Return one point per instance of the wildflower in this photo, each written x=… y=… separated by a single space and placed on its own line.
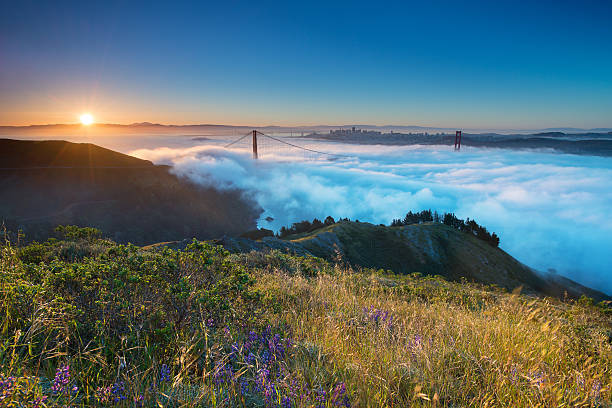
x=339 y=397
x=62 y=379
x=117 y=390
x=286 y=402
x=270 y=395
x=244 y=387
x=378 y=317
x=164 y=373
x=514 y=374
x=320 y=398
x=39 y=402
x=538 y=379
x=6 y=387
x=266 y=357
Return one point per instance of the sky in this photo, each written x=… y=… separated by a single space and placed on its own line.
x=484 y=64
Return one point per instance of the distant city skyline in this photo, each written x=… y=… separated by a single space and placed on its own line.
x=474 y=65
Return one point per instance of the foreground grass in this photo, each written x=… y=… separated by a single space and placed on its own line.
x=87 y=322
x=399 y=339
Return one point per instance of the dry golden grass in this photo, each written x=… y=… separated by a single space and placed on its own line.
x=446 y=344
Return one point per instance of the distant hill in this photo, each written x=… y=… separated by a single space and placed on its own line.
x=594 y=144
x=47 y=183
x=430 y=248
x=217 y=129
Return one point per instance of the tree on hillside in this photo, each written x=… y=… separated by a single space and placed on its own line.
x=329 y=220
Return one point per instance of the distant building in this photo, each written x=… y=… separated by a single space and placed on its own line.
x=353 y=130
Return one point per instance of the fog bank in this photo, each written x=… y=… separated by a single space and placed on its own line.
x=550 y=210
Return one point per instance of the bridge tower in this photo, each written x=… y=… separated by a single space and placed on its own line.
x=254 y=144
x=458 y=140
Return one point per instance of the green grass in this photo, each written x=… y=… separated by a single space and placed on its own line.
x=118 y=314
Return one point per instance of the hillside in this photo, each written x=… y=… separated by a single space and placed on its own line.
x=430 y=248
x=47 y=183
x=90 y=323
x=23 y=154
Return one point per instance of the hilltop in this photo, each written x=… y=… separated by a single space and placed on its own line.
x=47 y=183
x=24 y=154
x=427 y=248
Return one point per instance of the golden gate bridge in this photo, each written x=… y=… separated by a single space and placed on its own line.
x=263 y=145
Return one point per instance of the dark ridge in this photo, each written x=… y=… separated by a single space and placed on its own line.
x=50 y=183
x=58 y=153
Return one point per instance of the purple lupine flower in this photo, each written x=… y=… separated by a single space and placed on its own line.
x=418 y=340
x=266 y=357
x=270 y=394
x=62 y=379
x=286 y=402
x=38 y=402
x=117 y=390
x=210 y=322
x=265 y=334
x=7 y=387
x=244 y=387
x=514 y=375
x=339 y=397
x=378 y=317
x=164 y=374
x=538 y=379
x=320 y=398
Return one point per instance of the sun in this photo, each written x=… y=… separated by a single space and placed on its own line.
x=86 y=119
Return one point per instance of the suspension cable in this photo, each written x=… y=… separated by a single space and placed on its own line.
x=236 y=141
x=303 y=148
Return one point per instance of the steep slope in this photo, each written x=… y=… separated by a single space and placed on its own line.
x=430 y=248
x=47 y=183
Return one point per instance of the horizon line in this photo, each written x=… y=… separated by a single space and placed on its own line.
x=303 y=126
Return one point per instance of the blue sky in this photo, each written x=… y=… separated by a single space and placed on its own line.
x=452 y=64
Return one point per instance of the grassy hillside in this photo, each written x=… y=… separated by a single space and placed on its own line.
x=47 y=183
x=429 y=248
x=88 y=322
